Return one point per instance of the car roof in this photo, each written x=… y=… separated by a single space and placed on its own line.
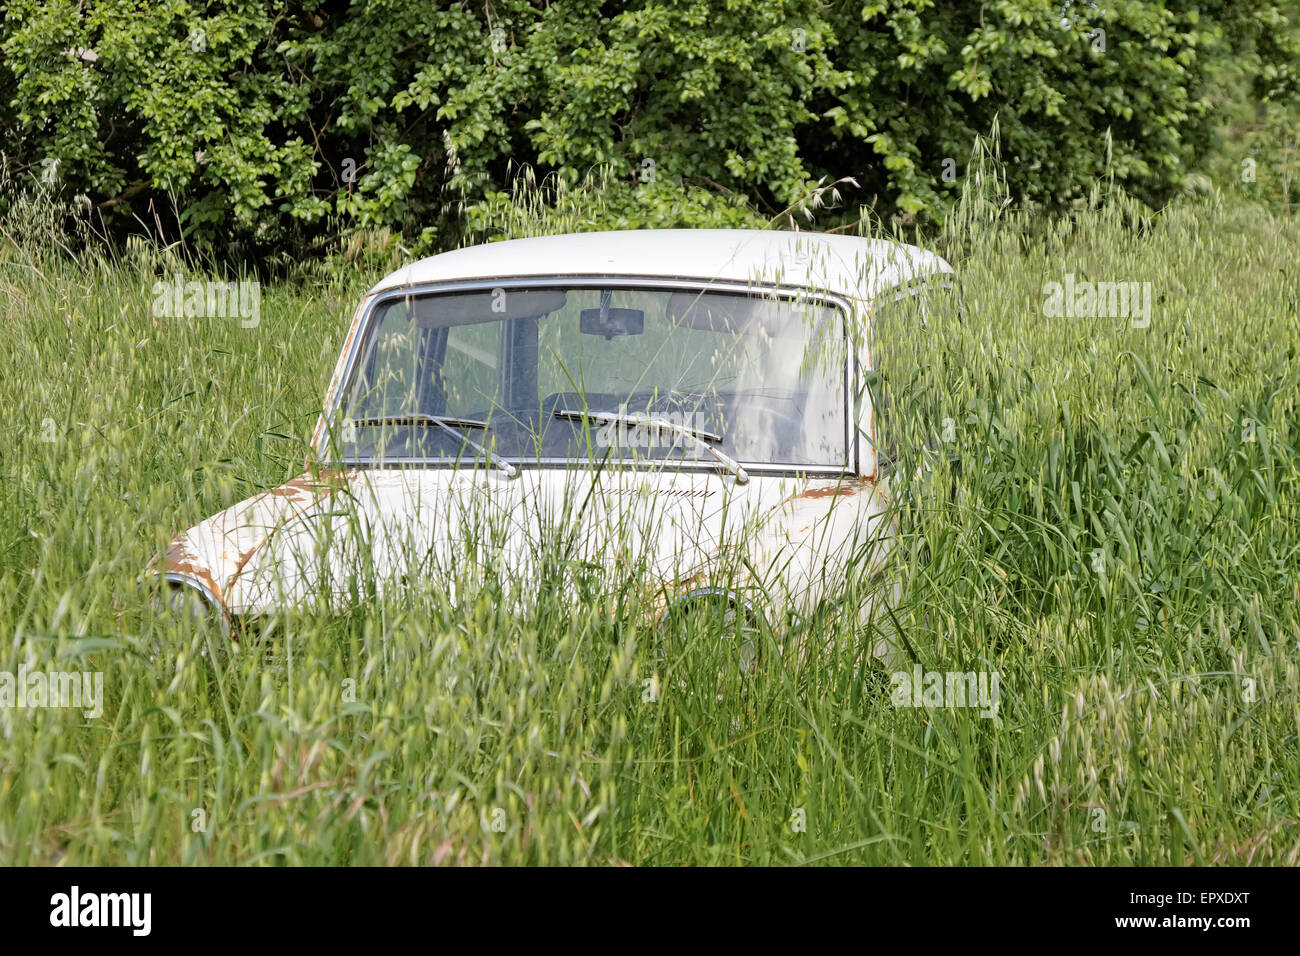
x=848 y=266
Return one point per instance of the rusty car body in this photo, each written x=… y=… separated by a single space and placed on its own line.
x=688 y=402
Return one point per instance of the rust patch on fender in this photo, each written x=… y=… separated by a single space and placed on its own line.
x=827 y=492
x=311 y=486
x=847 y=488
x=180 y=560
x=296 y=489
x=307 y=489
x=244 y=558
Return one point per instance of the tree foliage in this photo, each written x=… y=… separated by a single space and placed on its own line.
x=284 y=124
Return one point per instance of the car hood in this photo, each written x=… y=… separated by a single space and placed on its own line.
x=329 y=534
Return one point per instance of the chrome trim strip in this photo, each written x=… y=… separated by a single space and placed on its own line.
x=755 y=469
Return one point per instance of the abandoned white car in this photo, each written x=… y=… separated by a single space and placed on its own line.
x=688 y=406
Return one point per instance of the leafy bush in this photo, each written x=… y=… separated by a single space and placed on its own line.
x=280 y=126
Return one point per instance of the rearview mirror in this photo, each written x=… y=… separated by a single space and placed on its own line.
x=610 y=322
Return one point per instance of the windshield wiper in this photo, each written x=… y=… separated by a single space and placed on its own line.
x=698 y=435
x=449 y=424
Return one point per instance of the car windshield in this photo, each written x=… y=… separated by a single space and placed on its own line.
x=566 y=373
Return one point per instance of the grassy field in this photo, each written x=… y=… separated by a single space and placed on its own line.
x=1117 y=534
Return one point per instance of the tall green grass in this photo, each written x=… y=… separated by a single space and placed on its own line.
x=1149 y=709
